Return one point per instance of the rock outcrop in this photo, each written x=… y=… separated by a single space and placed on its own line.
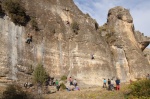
x=130 y=61
x=143 y=41
x=147 y=54
x=65 y=51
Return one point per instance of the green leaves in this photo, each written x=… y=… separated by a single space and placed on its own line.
x=15 y=11
x=140 y=89
x=40 y=74
x=15 y=92
x=75 y=27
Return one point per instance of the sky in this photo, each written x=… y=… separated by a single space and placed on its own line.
x=139 y=9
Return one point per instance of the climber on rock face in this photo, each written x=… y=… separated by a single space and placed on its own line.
x=29 y=38
x=92 y=56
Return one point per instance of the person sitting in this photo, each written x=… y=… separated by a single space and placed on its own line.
x=70 y=88
x=77 y=88
x=75 y=82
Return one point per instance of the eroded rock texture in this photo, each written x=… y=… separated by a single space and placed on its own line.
x=63 y=51
x=131 y=59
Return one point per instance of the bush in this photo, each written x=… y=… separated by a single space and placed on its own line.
x=15 y=92
x=40 y=75
x=140 y=90
x=34 y=24
x=15 y=11
x=96 y=25
x=75 y=27
x=63 y=77
x=62 y=86
x=2 y=13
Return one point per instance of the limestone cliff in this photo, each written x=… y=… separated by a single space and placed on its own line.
x=63 y=51
x=55 y=45
x=120 y=34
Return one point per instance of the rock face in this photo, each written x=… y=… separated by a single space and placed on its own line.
x=130 y=61
x=56 y=46
x=62 y=51
x=142 y=40
x=147 y=54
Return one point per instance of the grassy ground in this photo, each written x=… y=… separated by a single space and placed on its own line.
x=91 y=93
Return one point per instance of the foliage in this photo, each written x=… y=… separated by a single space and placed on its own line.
x=30 y=70
x=87 y=14
x=96 y=25
x=40 y=75
x=15 y=11
x=1 y=10
x=62 y=86
x=140 y=90
x=34 y=24
x=108 y=33
x=75 y=27
x=15 y=92
x=106 y=28
x=63 y=77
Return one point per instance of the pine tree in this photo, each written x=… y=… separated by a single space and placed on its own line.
x=39 y=74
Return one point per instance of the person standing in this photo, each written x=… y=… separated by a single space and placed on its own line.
x=112 y=84
x=117 y=84
x=104 y=83
x=109 y=84
x=75 y=82
x=71 y=81
x=57 y=85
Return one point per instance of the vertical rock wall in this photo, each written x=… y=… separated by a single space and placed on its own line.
x=120 y=20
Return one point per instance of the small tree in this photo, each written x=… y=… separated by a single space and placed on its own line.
x=64 y=77
x=40 y=75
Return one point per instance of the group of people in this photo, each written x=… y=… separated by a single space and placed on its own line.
x=111 y=84
x=73 y=85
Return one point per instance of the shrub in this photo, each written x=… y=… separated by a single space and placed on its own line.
x=62 y=86
x=15 y=11
x=34 y=24
x=2 y=13
x=63 y=77
x=30 y=70
x=140 y=90
x=40 y=75
x=75 y=27
x=15 y=92
x=96 y=25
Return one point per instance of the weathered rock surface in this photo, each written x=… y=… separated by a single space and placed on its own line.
x=147 y=54
x=63 y=52
x=130 y=58
x=142 y=40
